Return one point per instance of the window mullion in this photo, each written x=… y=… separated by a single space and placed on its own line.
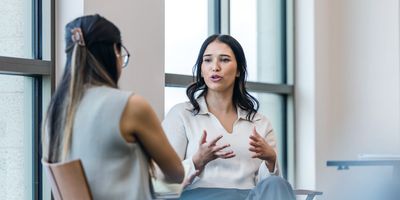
x=214 y=16
x=36 y=147
x=37 y=29
x=37 y=51
x=225 y=17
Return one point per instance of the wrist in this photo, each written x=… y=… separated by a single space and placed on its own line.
x=198 y=164
x=270 y=163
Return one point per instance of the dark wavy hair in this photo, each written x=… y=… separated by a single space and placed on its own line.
x=240 y=97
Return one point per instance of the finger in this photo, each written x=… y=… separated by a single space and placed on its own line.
x=231 y=155
x=255 y=133
x=225 y=155
x=215 y=140
x=219 y=148
x=254 y=144
x=254 y=138
x=253 y=149
x=203 y=138
x=256 y=155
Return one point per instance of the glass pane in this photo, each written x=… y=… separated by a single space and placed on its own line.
x=16 y=28
x=46 y=29
x=185 y=30
x=272 y=106
x=16 y=137
x=257 y=25
x=173 y=96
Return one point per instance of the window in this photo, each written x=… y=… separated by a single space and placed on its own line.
x=26 y=71
x=264 y=28
x=16 y=31
x=260 y=27
x=185 y=30
x=16 y=137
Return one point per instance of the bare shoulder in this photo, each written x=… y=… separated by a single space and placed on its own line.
x=138 y=106
x=136 y=113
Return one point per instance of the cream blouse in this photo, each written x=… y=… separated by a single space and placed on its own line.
x=184 y=130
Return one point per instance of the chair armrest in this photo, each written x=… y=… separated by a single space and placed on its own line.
x=310 y=193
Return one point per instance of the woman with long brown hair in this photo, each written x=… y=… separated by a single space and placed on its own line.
x=116 y=134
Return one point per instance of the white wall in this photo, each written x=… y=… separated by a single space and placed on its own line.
x=142 y=28
x=304 y=95
x=352 y=75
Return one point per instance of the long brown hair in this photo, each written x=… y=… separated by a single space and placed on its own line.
x=91 y=60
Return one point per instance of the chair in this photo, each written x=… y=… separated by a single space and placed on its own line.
x=68 y=180
x=309 y=193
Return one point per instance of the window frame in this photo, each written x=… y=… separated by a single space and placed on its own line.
x=40 y=70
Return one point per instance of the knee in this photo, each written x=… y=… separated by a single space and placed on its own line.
x=275 y=182
x=273 y=187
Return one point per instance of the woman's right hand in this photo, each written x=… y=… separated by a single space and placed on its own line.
x=209 y=151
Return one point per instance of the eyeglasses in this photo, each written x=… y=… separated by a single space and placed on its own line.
x=125 y=56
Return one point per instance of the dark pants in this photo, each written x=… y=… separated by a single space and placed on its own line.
x=271 y=188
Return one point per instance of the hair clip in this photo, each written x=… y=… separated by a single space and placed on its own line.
x=77 y=36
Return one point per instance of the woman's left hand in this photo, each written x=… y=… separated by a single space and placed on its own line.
x=262 y=150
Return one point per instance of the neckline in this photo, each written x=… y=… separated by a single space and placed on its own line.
x=222 y=126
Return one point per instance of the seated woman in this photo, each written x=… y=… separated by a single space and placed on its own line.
x=229 y=146
x=116 y=134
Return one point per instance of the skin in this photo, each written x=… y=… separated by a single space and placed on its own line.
x=139 y=123
x=262 y=150
x=219 y=70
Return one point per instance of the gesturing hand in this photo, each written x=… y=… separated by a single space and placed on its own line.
x=209 y=151
x=262 y=149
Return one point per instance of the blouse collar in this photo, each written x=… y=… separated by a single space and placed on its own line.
x=242 y=114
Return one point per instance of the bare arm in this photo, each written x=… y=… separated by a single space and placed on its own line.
x=139 y=122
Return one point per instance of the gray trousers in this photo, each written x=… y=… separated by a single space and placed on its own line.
x=271 y=188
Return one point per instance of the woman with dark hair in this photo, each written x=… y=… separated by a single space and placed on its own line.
x=229 y=148
x=116 y=134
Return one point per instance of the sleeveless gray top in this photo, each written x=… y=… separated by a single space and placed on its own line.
x=114 y=168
